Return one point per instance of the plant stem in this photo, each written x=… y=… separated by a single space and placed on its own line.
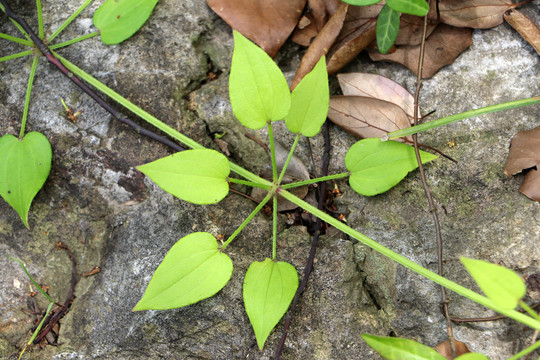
x=4 y=8
x=248 y=219
x=32 y=279
x=28 y=95
x=316 y=180
x=272 y=152
x=461 y=116
x=17 y=55
x=289 y=157
x=400 y=259
x=249 y=183
x=15 y=39
x=73 y=41
x=69 y=20
x=528 y=350
x=36 y=332
x=274 y=227
x=529 y=310
x=41 y=33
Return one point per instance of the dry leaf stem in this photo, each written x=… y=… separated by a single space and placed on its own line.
x=431 y=203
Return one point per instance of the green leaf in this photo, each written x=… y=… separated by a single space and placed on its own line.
x=361 y=2
x=258 y=90
x=376 y=166
x=413 y=7
x=387 y=28
x=472 y=356
x=197 y=176
x=501 y=285
x=118 y=20
x=392 y=348
x=194 y=269
x=269 y=288
x=24 y=166
x=309 y=102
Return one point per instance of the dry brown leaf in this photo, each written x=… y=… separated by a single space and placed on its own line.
x=444 y=349
x=321 y=44
x=442 y=48
x=378 y=87
x=525 y=154
x=411 y=28
x=315 y=17
x=267 y=22
x=367 y=117
x=478 y=14
x=525 y=27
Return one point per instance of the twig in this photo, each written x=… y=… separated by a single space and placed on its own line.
x=44 y=49
x=314 y=242
x=431 y=203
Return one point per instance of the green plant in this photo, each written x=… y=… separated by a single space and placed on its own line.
x=259 y=95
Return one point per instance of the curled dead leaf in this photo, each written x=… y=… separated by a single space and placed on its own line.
x=444 y=349
x=478 y=14
x=267 y=22
x=525 y=154
x=442 y=48
x=315 y=17
x=525 y=27
x=367 y=117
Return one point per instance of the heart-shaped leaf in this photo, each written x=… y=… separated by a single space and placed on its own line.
x=413 y=7
x=194 y=269
x=376 y=166
x=118 y=20
x=309 y=102
x=387 y=28
x=257 y=88
x=269 y=288
x=24 y=166
x=197 y=176
x=392 y=348
x=501 y=285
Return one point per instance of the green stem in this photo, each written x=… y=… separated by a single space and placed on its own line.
x=28 y=94
x=36 y=332
x=41 y=33
x=273 y=152
x=15 y=39
x=17 y=55
x=69 y=20
x=289 y=157
x=461 y=116
x=152 y=119
x=32 y=279
x=249 y=183
x=482 y=300
x=274 y=227
x=248 y=219
x=17 y=25
x=316 y=180
x=529 y=310
x=73 y=41
x=528 y=350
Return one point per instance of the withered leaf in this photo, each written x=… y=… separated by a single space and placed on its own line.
x=267 y=22
x=525 y=27
x=315 y=17
x=525 y=154
x=378 y=87
x=411 y=28
x=321 y=44
x=367 y=117
x=478 y=14
x=444 y=349
x=442 y=48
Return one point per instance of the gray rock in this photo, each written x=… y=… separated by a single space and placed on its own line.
x=98 y=204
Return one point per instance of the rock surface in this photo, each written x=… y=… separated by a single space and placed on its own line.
x=110 y=216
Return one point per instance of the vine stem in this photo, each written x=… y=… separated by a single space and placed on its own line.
x=315 y=180
x=289 y=157
x=248 y=183
x=272 y=152
x=28 y=95
x=431 y=204
x=274 y=226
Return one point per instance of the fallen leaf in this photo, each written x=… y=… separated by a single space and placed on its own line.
x=321 y=44
x=411 y=28
x=444 y=349
x=378 y=87
x=267 y=22
x=525 y=154
x=525 y=27
x=442 y=48
x=478 y=14
x=317 y=14
x=367 y=117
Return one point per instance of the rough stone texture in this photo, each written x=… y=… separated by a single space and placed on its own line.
x=111 y=216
